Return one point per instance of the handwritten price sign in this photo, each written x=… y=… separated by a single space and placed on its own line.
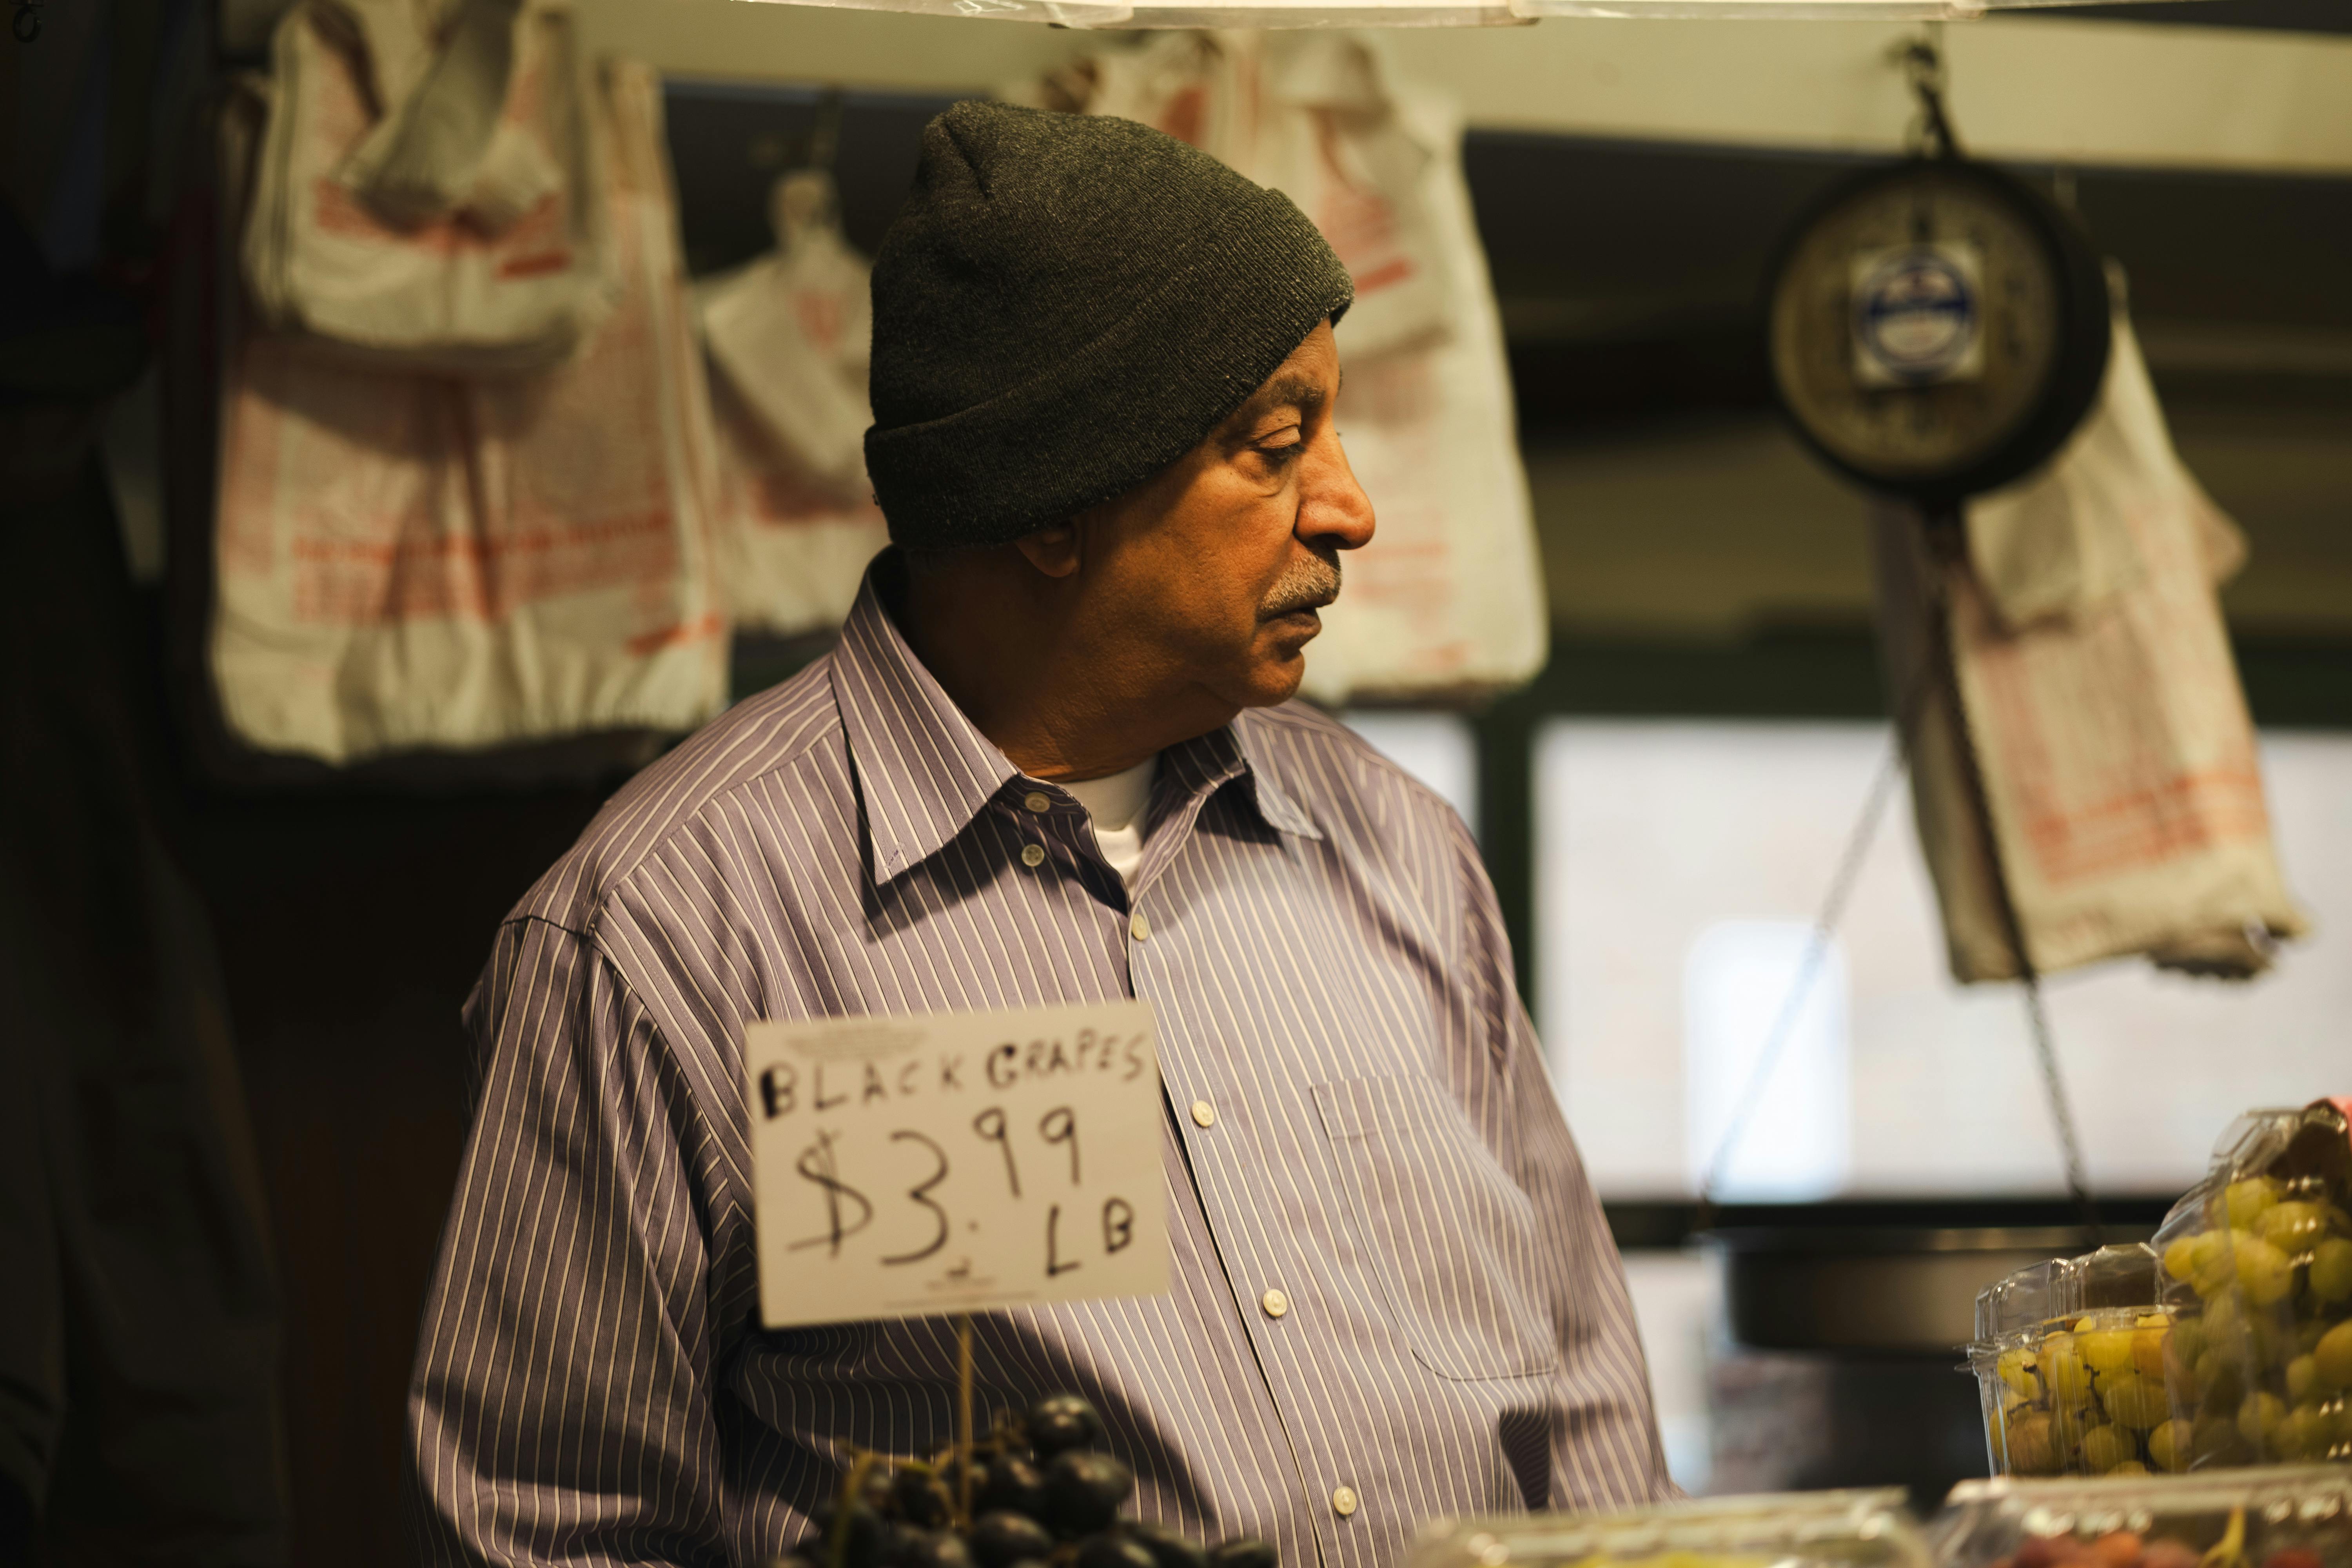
x=949 y=1161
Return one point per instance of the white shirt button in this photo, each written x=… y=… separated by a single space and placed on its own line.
x=1037 y=802
x=1343 y=1501
x=1204 y=1113
x=1137 y=927
x=1033 y=856
x=1274 y=1302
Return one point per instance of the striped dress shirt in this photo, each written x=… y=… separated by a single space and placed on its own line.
x=1358 y=1120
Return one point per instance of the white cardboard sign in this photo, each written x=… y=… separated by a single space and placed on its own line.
x=950 y=1161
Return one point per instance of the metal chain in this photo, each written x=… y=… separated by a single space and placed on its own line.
x=1825 y=923
x=1922 y=60
x=1948 y=550
x=2070 y=1142
x=1936 y=670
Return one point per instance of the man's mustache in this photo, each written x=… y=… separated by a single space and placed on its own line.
x=1306 y=586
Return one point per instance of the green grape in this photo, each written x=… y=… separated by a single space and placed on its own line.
x=2106 y=1350
x=2181 y=1387
x=2016 y=1369
x=2135 y=1401
x=2205 y=1261
x=2029 y=1447
x=2105 y=1447
x=2225 y=1320
x=2332 y=1359
x=2226 y=1329
x=2272 y=1340
x=2301 y=1378
x=2216 y=1440
x=2306 y=1433
x=2266 y=1273
x=2062 y=1368
x=2016 y=1412
x=2260 y=1419
x=2249 y=1200
x=2220 y=1376
x=2067 y=1425
x=2331 y=1270
x=2167 y=1445
x=2292 y=1226
x=2128 y=1468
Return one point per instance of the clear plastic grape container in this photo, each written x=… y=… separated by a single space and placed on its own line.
x=2270 y=1516
x=2069 y=1360
x=2257 y=1271
x=1871 y=1529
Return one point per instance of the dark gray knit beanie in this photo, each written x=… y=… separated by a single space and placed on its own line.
x=1065 y=305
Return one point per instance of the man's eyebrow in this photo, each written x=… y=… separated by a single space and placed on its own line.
x=1300 y=391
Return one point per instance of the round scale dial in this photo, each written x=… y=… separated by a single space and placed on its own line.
x=1936 y=329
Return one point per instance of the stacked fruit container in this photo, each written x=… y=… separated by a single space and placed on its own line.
x=2070 y=1364
x=2257 y=1274
x=2280 y=1516
x=2297 y=1516
x=1867 y=1529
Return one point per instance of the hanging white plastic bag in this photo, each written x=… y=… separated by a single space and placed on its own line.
x=447 y=143
x=462 y=229
x=1448 y=600
x=792 y=329
x=788 y=336
x=2061 y=539
x=2117 y=754
x=405 y=559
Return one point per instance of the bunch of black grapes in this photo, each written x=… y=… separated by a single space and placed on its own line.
x=1042 y=1497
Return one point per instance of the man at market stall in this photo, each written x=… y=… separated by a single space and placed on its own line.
x=1052 y=758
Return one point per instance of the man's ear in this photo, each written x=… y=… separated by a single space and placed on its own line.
x=1053 y=550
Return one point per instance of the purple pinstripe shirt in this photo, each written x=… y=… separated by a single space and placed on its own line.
x=1331 y=978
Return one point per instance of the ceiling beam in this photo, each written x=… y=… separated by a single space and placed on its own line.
x=2036 y=88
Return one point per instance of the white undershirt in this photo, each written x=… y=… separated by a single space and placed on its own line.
x=1116 y=804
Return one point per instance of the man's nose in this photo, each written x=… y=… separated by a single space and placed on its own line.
x=1333 y=510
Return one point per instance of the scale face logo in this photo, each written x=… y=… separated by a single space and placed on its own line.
x=1917 y=315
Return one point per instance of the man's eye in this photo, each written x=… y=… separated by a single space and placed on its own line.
x=1282 y=448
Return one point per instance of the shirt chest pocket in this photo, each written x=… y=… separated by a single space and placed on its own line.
x=1450 y=1237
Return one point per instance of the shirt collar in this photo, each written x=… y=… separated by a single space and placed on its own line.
x=1239 y=750
x=925 y=771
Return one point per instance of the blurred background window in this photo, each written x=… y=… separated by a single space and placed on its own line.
x=1679 y=866
x=1785 y=1108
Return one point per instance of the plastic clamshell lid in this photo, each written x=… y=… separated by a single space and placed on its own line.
x=1783 y=1529
x=1982 y=1520
x=2121 y=1276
